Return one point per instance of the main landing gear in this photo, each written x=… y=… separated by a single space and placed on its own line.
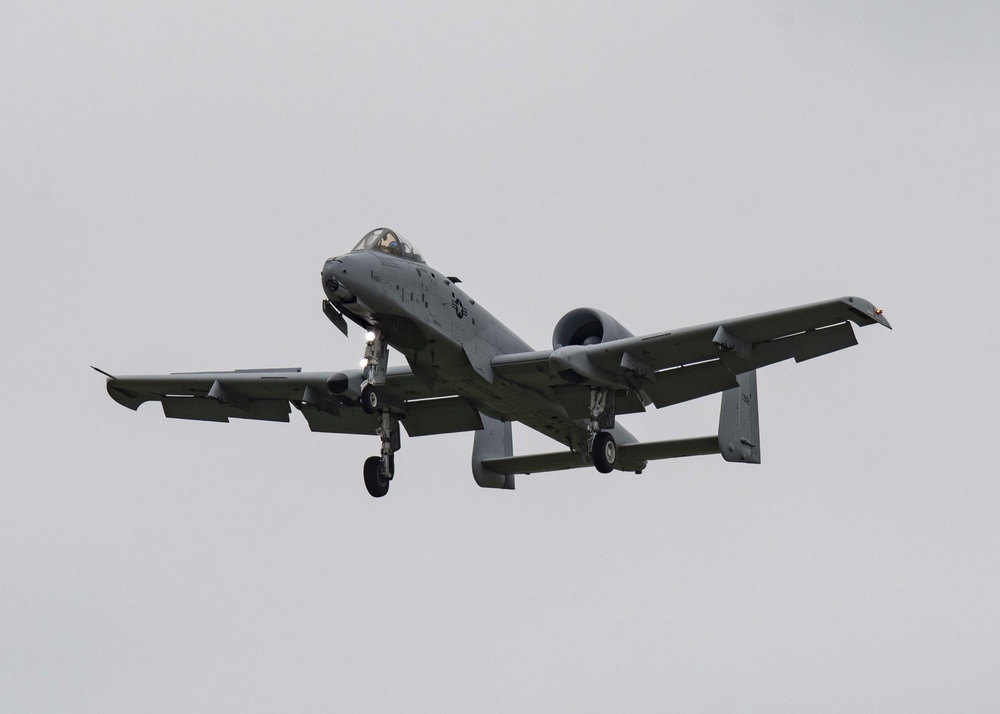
x=379 y=469
x=376 y=477
x=601 y=444
x=604 y=452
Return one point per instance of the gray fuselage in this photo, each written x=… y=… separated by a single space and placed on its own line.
x=444 y=334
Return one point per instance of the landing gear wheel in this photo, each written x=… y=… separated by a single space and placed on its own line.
x=605 y=452
x=376 y=479
x=369 y=400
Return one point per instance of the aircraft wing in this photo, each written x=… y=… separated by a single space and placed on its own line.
x=675 y=366
x=269 y=395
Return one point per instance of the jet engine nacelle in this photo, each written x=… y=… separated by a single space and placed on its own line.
x=586 y=326
x=577 y=330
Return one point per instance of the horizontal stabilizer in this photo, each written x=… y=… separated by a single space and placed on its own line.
x=633 y=457
x=672 y=449
x=538 y=463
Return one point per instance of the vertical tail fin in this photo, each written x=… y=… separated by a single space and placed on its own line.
x=739 y=431
x=493 y=441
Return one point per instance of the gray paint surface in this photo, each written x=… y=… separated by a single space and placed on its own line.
x=464 y=369
x=171 y=178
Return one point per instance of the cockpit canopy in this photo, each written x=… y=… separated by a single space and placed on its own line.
x=384 y=240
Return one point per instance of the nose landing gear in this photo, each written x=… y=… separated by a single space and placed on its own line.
x=374 y=364
x=376 y=359
x=379 y=470
x=370 y=401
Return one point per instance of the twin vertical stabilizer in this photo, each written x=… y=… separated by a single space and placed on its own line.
x=739 y=429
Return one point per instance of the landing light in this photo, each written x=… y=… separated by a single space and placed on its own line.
x=369 y=336
x=878 y=311
x=364 y=363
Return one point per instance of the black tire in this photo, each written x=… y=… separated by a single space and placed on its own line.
x=369 y=400
x=605 y=452
x=376 y=480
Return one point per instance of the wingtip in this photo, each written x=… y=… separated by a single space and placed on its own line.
x=866 y=311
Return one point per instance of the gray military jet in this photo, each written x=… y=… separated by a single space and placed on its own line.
x=469 y=372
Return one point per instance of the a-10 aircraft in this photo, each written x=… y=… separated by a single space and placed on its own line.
x=469 y=372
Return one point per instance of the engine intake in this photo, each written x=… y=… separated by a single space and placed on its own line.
x=577 y=330
x=586 y=326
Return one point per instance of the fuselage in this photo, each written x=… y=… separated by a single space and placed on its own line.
x=444 y=334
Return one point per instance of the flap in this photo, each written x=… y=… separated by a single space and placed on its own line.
x=680 y=384
x=441 y=416
x=209 y=409
x=348 y=421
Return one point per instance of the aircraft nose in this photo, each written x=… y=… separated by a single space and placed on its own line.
x=334 y=283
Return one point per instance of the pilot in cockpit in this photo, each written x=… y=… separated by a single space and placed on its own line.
x=384 y=240
x=388 y=243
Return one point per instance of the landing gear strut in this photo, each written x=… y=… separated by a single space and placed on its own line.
x=379 y=469
x=374 y=365
x=601 y=444
x=376 y=359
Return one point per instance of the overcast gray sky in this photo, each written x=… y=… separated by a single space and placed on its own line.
x=172 y=177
